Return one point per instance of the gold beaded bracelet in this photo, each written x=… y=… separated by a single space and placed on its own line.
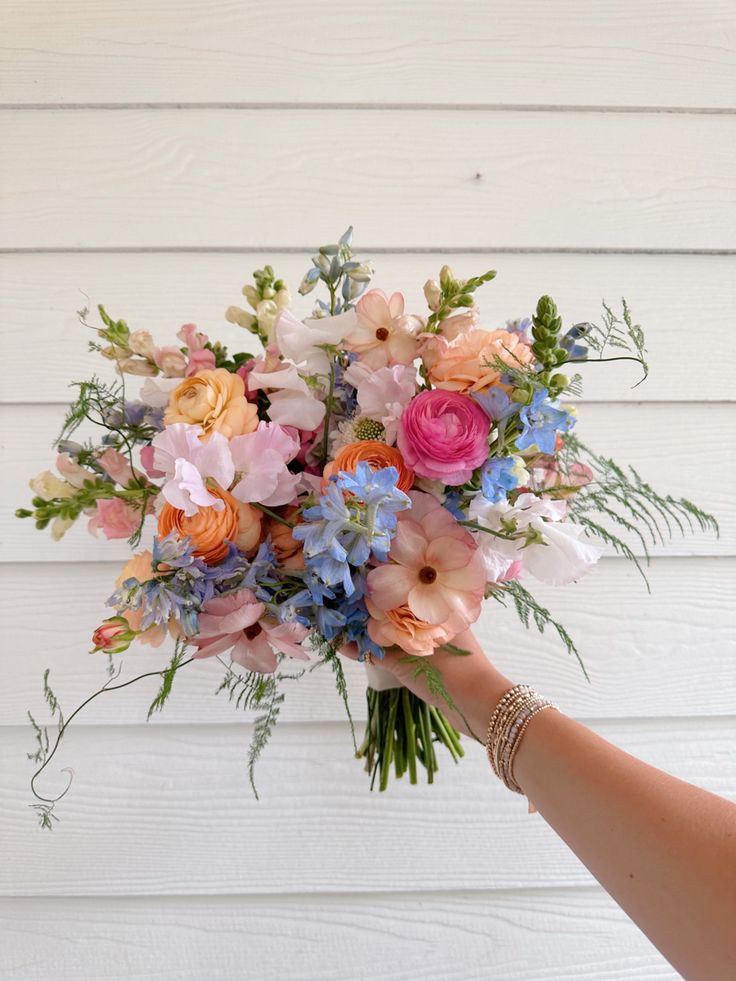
x=510 y=719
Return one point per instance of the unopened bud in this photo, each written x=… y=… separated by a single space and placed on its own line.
x=433 y=294
x=251 y=295
x=447 y=278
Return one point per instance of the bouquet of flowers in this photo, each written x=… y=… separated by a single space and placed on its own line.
x=363 y=479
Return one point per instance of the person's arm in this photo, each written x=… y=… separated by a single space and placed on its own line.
x=663 y=849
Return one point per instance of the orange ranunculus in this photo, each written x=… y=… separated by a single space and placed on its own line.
x=210 y=530
x=468 y=363
x=215 y=400
x=289 y=552
x=401 y=628
x=377 y=455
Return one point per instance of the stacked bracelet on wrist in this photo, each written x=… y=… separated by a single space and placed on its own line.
x=507 y=727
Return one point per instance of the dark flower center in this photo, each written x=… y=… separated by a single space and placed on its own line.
x=427 y=575
x=382 y=333
x=253 y=631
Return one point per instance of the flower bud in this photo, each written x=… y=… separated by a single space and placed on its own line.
x=433 y=294
x=447 y=278
x=136 y=366
x=309 y=282
x=360 y=272
x=267 y=314
x=559 y=381
x=48 y=486
x=251 y=294
x=59 y=527
x=283 y=298
x=113 y=636
x=236 y=315
x=323 y=263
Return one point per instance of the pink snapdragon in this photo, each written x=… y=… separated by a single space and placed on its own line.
x=444 y=436
x=236 y=622
x=261 y=459
x=114 y=517
x=200 y=357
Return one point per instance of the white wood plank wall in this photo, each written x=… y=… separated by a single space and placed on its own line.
x=153 y=154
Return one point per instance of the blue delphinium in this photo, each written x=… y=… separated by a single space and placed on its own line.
x=570 y=341
x=500 y=475
x=340 y=532
x=495 y=403
x=542 y=420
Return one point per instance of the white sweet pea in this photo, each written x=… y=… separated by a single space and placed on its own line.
x=557 y=558
x=186 y=461
x=300 y=341
x=292 y=402
x=156 y=391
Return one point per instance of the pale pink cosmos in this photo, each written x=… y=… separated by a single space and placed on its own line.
x=291 y=401
x=181 y=456
x=383 y=394
x=434 y=570
x=384 y=335
x=261 y=459
x=236 y=622
x=115 y=518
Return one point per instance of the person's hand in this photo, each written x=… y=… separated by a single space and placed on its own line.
x=471 y=681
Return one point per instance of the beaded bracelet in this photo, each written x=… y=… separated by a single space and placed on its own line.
x=509 y=722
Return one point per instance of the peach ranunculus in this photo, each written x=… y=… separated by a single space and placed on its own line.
x=215 y=400
x=468 y=363
x=140 y=567
x=211 y=530
x=288 y=551
x=401 y=628
x=384 y=335
x=435 y=570
x=377 y=455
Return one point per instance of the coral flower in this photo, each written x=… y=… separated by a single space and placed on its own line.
x=377 y=455
x=215 y=400
x=469 y=363
x=210 y=529
x=384 y=334
x=435 y=569
x=139 y=567
x=400 y=628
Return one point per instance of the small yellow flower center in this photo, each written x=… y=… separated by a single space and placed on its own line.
x=427 y=575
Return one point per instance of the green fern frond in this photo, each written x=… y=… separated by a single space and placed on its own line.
x=167 y=679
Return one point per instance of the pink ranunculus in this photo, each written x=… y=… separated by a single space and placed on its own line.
x=235 y=622
x=434 y=569
x=116 y=518
x=444 y=436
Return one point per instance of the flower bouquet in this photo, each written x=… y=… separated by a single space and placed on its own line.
x=362 y=479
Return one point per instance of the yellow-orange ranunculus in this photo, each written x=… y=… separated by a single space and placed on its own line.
x=377 y=455
x=215 y=400
x=210 y=530
x=468 y=363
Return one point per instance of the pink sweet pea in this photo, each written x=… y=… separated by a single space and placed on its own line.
x=181 y=456
x=116 y=518
x=292 y=402
x=434 y=569
x=444 y=436
x=235 y=622
x=117 y=467
x=261 y=458
x=383 y=394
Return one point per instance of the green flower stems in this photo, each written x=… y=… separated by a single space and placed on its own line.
x=401 y=732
